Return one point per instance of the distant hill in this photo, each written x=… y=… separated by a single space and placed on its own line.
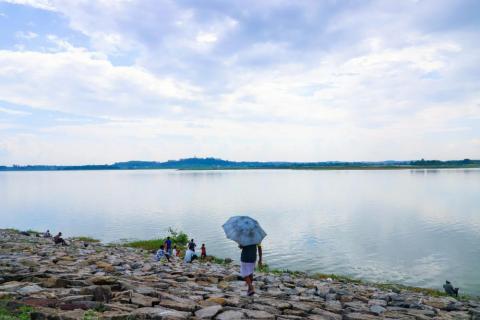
x=215 y=164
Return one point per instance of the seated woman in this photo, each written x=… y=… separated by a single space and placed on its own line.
x=162 y=253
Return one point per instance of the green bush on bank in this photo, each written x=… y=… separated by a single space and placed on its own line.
x=179 y=238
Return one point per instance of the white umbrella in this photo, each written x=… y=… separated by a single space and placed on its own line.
x=244 y=230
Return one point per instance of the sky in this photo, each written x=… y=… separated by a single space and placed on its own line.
x=105 y=81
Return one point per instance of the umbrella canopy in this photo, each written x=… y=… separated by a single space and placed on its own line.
x=244 y=230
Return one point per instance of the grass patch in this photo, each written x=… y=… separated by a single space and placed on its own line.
x=179 y=239
x=267 y=269
x=90 y=315
x=12 y=230
x=336 y=277
x=426 y=291
x=86 y=239
x=11 y=312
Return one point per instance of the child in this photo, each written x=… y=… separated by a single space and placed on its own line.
x=204 y=251
x=175 y=252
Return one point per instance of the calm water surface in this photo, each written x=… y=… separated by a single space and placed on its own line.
x=417 y=227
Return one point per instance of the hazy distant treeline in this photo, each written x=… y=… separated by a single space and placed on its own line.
x=213 y=163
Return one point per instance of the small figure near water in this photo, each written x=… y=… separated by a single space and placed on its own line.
x=204 y=251
x=175 y=252
x=192 y=245
x=47 y=234
x=449 y=289
x=59 y=240
x=168 y=245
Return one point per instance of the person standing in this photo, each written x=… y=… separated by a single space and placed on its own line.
x=168 y=244
x=204 y=251
x=248 y=260
x=192 y=245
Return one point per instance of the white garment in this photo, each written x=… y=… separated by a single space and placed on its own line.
x=246 y=268
x=189 y=256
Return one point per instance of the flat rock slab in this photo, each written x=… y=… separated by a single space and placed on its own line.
x=208 y=312
x=159 y=313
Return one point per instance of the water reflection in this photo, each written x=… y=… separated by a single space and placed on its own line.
x=418 y=227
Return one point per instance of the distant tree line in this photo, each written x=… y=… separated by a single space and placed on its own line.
x=213 y=163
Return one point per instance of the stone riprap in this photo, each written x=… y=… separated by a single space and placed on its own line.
x=114 y=282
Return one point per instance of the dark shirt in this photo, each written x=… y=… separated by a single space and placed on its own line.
x=169 y=244
x=249 y=253
x=191 y=246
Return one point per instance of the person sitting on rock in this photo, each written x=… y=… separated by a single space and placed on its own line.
x=449 y=289
x=190 y=256
x=162 y=253
x=204 y=251
x=47 y=234
x=59 y=240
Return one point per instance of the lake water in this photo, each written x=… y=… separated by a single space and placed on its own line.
x=416 y=227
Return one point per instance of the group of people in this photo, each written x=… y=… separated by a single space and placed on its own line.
x=57 y=239
x=167 y=251
x=248 y=259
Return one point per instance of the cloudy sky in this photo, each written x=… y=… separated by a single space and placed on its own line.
x=104 y=81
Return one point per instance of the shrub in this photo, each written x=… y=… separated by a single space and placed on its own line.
x=179 y=238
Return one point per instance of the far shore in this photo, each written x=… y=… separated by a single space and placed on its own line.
x=325 y=168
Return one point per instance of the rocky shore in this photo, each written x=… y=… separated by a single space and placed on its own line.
x=96 y=281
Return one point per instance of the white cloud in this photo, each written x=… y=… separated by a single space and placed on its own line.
x=270 y=80
x=14 y=112
x=83 y=82
x=206 y=37
x=28 y=35
x=40 y=4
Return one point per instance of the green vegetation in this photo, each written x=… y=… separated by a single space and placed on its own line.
x=90 y=315
x=266 y=269
x=9 y=311
x=336 y=277
x=86 y=239
x=219 y=164
x=179 y=238
x=427 y=291
x=384 y=286
x=12 y=230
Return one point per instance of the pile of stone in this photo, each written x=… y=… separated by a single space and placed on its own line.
x=95 y=281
